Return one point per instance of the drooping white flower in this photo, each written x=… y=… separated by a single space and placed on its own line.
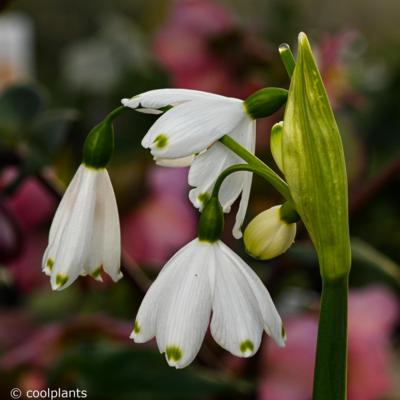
x=85 y=234
x=268 y=234
x=200 y=280
x=187 y=134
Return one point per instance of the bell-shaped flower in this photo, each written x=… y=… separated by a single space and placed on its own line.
x=85 y=234
x=204 y=280
x=269 y=234
x=186 y=134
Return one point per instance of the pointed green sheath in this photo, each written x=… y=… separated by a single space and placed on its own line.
x=314 y=165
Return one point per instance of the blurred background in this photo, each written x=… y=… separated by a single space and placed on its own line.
x=64 y=65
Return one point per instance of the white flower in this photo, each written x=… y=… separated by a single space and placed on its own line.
x=201 y=279
x=84 y=235
x=268 y=235
x=187 y=134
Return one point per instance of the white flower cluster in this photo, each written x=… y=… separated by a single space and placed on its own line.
x=205 y=280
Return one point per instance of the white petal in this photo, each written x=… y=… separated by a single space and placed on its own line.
x=175 y=162
x=111 y=258
x=272 y=321
x=237 y=323
x=61 y=218
x=247 y=180
x=159 y=98
x=207 y=167
x=105 y=247
x=191 y=127
x=72 y=241
x=66 y=203
x=149 y=111
x=205 y=170
x=145 y=322
x=185 y=309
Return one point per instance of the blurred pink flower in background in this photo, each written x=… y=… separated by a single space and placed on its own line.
x=31 y=206
x=39 y=346
x=163 y=222
x=372 y=315
x=202 y=47
x=332 y=52
x=288 y=372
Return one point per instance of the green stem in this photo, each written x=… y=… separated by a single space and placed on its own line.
x=287 y=58
x=269 y=174
x=236 y=168
x=330 y=374
x=115 y=113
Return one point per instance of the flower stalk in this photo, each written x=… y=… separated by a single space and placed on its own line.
x=256 y=165
x=330 y=374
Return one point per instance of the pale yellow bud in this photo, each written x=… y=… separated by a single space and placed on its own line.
x=268 y=235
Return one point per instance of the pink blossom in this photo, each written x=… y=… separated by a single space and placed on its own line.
x=31 y=204
x=288 y=372
x=41 y=345
x=163 y=222
x=202 y=47
x=26 y=267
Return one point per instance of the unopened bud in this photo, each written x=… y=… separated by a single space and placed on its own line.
x=265 y=102
x=268 y=235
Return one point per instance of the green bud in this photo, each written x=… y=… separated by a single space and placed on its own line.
x=314 y=165
x=99 y=145
x=268 y=235
x=211 y=222
x=265 y=102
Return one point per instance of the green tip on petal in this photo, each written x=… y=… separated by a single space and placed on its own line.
x=61 y=280
x=50 y=264
x=96 y=273
x=136 y=327
x=246 y=346
x=161 y=141
x=174 y=353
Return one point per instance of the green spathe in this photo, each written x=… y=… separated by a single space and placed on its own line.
x=99 y=145
x=314 y=165
x=265 y=102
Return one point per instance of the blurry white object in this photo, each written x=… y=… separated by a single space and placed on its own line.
x=16 y=49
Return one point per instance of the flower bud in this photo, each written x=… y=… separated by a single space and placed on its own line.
x=265 y=102
x=314 y=165
x=268 y=235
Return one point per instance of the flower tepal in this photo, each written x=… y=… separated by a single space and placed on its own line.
x=207 y=278
x=84 y=236
x=186 y=134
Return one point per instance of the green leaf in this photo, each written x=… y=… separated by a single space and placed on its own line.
x=314 y=165
x=366 y=253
